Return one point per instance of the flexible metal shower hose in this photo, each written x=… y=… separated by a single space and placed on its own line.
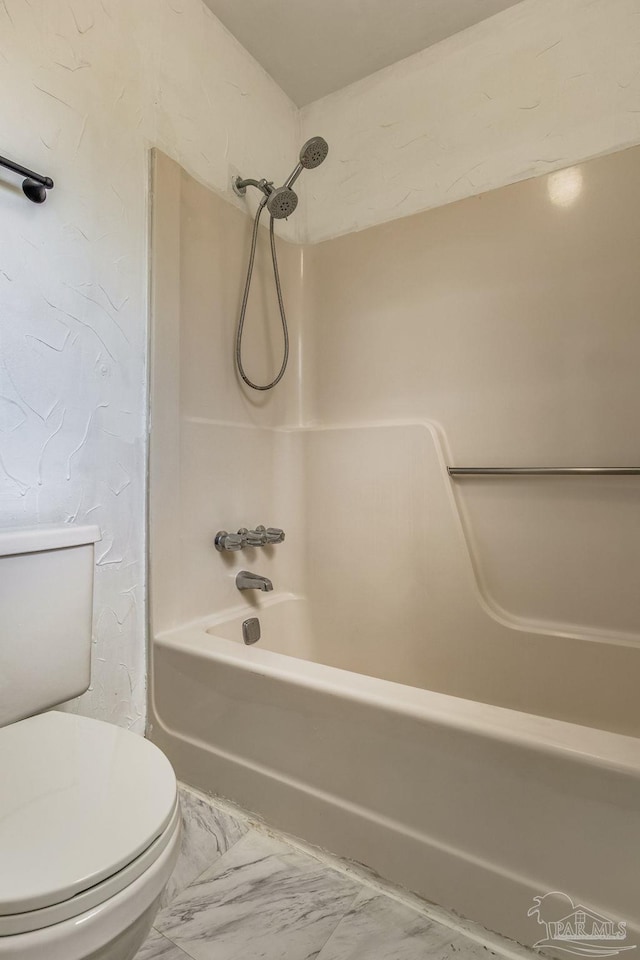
x=245 y=299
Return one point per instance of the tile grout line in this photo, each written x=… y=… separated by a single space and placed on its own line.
x=356 y=897
x=195 y=879
x=184 y=953
x=337 y=897
x=495 y=942
x=172 y=942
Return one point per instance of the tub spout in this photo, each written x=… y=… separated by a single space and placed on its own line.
x=252 y=581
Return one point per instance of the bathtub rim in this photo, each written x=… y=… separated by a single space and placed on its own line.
x=616 y=752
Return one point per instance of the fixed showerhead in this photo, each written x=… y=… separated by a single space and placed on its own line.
x=314 y=152
x=282 y=202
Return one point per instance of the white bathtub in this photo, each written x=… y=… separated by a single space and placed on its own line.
x=475 y=807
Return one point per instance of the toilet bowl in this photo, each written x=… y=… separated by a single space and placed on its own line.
x=89 y=835
x=89 y=813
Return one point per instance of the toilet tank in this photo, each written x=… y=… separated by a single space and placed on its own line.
x=46 y=605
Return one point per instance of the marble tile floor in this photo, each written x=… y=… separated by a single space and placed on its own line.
x=239 y=892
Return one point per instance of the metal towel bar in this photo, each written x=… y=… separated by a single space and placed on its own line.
x=35 y=185
x=456 y=472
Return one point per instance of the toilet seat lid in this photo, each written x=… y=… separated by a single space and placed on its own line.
x=79 y=800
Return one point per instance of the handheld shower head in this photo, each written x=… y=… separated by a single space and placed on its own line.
x=282 y=202
x=314 y=152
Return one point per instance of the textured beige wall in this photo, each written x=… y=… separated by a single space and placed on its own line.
x=542 y=85
x=87 y=86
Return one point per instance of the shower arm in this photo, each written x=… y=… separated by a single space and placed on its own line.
x=46 y=182
x=313 y=153
x=266 y=186
x=240 y=186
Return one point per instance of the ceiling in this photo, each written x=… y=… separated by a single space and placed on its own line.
x=313 y=47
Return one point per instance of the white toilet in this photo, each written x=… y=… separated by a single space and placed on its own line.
x=89 y=814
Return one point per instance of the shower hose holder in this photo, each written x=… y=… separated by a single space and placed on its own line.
x=240 y=186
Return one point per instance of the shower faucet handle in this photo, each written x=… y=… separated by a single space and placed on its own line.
x=274 y=535
x=248 y=538
x=253 y=538
x=228 y=541
x=270 y=534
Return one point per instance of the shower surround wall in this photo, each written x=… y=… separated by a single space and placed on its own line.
x=509 y=321
x=446 y=685
x=220 y=457
x=501 y=330
x=88 y=86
